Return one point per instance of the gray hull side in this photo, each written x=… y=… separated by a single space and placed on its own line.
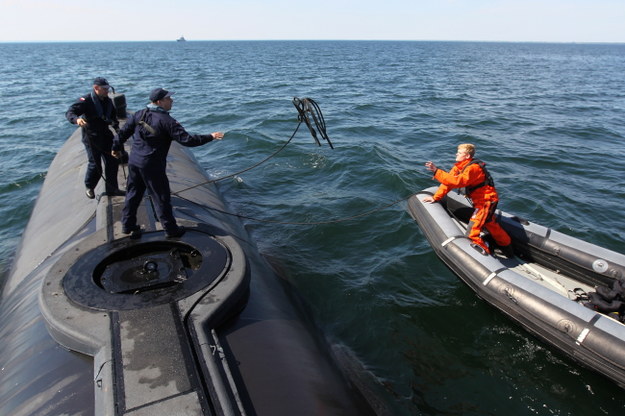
x=593 y=339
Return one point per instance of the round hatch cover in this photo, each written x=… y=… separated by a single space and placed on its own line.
x=147 y=273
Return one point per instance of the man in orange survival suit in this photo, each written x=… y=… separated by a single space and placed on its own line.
x=471 y=174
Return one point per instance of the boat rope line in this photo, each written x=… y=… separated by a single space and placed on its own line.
x=310 y=114
x=307 y=109
x=332 y=221
x=241 y=171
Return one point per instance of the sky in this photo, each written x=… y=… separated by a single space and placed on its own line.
x=461 y=20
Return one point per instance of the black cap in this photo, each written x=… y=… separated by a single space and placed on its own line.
x=159 y=94
x=102 y=82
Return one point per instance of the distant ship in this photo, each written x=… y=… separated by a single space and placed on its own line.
x=181 y=39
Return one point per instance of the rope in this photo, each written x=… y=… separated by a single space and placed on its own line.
x=310 y=114
x=334 y=221
x=241 y=171
x=305 y=107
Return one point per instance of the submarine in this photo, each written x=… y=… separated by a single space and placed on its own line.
x=94 y=322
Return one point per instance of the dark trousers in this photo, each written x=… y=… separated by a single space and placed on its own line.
x=155 y=181
x=98 y=153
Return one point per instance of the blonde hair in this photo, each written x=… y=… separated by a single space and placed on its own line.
x=467 y=148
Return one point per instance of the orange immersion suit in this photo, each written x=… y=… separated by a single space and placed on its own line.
x=469 y=174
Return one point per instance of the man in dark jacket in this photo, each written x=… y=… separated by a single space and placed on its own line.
x=152 y=130
x=94 y=112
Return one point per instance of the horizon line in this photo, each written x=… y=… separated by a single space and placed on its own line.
x=313 y=40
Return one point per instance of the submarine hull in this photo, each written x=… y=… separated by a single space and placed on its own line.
x=96 y=322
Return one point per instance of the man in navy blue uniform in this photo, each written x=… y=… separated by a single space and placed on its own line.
x=152 y=130
x=94 y=112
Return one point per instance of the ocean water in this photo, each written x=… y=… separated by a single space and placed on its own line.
x=549 y=119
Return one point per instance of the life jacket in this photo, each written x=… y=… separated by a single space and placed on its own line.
x=487 y=181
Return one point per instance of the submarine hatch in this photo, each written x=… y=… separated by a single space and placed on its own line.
x=145 y=310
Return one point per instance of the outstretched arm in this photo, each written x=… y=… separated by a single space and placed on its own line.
x=429 y=165
x=442 y=190
x=179 y=134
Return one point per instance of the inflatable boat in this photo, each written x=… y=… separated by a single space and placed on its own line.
x=96 y=322
x=555 y=286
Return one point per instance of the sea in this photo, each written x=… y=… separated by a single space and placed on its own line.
x=549 y=120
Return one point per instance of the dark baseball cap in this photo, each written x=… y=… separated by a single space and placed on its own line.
x=159 y=94
x=102 y=82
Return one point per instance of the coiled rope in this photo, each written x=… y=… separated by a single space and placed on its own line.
x=306 y=107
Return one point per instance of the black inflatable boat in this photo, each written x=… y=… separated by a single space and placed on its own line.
x=94 y=322
x=554 y=285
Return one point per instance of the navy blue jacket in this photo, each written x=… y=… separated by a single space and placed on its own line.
x=99 y=117
x=150 y=145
